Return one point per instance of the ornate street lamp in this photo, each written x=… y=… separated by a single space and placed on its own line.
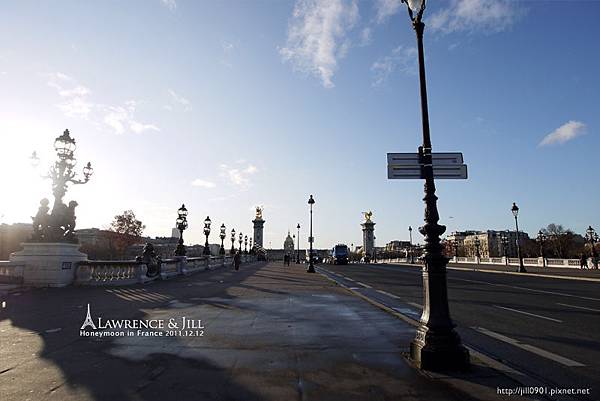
x=410 y=252
x=222 y=235
x=477 y=245
x=455 y=245
x=245 y=244
x=206 y=233
x=251 y=249
x=181 y=224
x=241 y=238
x=298 y=239
x=592 y=237
x=541 y=239
x=311 y=267
x=515 y=212
x=436 y=345
x=59 y=225
x=232 y=241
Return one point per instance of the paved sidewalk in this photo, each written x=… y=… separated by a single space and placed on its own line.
x=270 y=333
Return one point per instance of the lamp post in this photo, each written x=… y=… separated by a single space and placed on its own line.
x=59 y=225
x=206 y=233
x=541 y=239
x=436 y=345
x=222 y=235
x=477 y=245
x=410 y=244
x=504 y=241
x=455 y=245
x=232 y=241
x=298 y=239
x=515 y=212
x=245 y=244
x=181 y=224
x=592 y=237
x=311 y=267
x=240 y=240
x=251 y=249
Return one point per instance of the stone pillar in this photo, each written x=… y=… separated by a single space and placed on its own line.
x=258 y=231
x=368 y=228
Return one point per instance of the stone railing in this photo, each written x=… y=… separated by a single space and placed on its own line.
x=11 y=272
x=540 y=262
x=131 y=272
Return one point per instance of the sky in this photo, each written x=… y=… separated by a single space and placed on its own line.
x=226 y=105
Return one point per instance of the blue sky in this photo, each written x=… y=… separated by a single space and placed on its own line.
x=231 y=104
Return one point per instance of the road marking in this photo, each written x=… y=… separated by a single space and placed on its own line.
x=524 y=288
x=538 y=351
x=419 y=306
x=579 y=307
x=347 y=278
x=527 y=313
x=363 y=284
x=388 y=294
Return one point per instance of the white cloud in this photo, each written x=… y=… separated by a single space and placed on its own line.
x=365 y=37
x=170 y=4
x=238 y=176
x=488 y=16
x=317 y=36
x=179 y=100
x=402 y=58
x=387 y=8
x=198 y=182
x=75 y=102
x=564 y=133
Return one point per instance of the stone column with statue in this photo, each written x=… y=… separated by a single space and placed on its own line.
x=259 y=224
x=50 y=257
x=368 y=228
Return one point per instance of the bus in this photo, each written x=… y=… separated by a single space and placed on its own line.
x=340 y=254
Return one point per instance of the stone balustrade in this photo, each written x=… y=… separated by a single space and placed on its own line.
x=131 y=272
x=11 y=272
x=540 y=262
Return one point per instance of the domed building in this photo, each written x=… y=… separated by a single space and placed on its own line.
x=288 y=245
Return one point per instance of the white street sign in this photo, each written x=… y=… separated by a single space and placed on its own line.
x=405 y=159
x=439 y=171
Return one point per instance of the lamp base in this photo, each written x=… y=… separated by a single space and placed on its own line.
x=441 y=351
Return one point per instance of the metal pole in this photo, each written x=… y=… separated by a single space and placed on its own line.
x=311 y=267
x=436 y=345
x=521 y=267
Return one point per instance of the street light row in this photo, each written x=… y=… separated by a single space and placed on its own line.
x=182 y=225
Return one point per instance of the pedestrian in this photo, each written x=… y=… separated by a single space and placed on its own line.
x=583 y=261
x=237 y=259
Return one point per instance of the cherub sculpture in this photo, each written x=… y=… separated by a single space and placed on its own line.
x=41 y=221
x=368 y=216
x=259 y=211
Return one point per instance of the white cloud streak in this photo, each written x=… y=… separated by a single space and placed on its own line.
x=386 y=8
x=317 y=36
x=488 y=16
x=75 y=103
x=401 y=58
x=170 y=4
x=564 y=133
x=178 y=100
x=239 y=176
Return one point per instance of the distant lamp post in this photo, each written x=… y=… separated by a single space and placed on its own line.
x=410 y=252
x=181 y=224
x=222 y=235
x=515 y=212
x=245 y=244
x=298 y=239
x=311 y=267
x=232 y=241
x=592 y=237
x=240 y=240
x=541 y=239
x=455 y=245
x=436 y=345
x=206 y=233
x=504 y=242
x=477 y=247
x=59 y=225
x=250 y=243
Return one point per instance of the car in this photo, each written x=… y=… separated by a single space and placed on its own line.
x=339 y=254
x=315 y=257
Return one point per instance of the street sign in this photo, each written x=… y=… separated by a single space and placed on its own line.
x=405 y=159
x=413 y=171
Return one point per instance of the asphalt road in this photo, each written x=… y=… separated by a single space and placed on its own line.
x=547 y=328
